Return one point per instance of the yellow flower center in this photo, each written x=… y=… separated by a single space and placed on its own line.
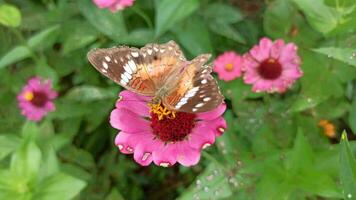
x=161 y=111
x=229 y=67
x=28 y=96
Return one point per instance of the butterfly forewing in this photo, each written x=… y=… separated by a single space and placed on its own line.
x=143 y=71
x=196 y=91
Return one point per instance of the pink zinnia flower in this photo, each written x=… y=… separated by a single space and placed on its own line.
x=178 y=137
x=35 y=99
x=272 y=66
x=228 y=66
x=114 y=5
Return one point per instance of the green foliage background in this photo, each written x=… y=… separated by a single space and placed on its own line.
x=273 y=148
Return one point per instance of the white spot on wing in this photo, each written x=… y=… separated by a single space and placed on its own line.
x=199 y=105
x=128 y=68
x=132 y=65
x=107 y=58
x=149 y=51
x=194 y=109
x=124 y=78
x=207 y=99
x=105 y=65
x=123 y=82
x=134 y=54
x=204 y=81
x=128 y=75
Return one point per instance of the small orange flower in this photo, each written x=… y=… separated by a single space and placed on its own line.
x=328 y=127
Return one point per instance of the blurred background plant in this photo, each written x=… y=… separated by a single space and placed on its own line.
x=276 y=146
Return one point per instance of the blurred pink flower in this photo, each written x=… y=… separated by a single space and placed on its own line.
x=114 y=5
x=272 y=66
x=228 y=66
x=35 y=99
x=172 y=139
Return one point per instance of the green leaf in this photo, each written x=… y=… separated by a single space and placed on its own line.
x=44 y=38
x=169 y=13
x=220 y=12
x=110 y=24
x=114 y=195
x=277 y=20
x=8 y=144
x=210 y=184
x=139 y=37
x=346 y=55
x=227 y=31
x=347 y=168
x=10 y=15
x=89 y=93
x=194 y=36
x=58 y=187
x=16 y=54
x=50 y=163
x=30 y=130
x=78 y=35
x=321 y=17
x=302 y=154
x=352 y=115
x=26 y=161
x=316 y=76
x=41 y=40
x=13 y=186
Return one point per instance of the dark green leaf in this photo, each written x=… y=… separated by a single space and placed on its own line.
x=346 y=55
x=8 y=144
x=194 y=36
x=212 y=183
x=223 y=13
x=347 y=168
x=91 y=93
x=110 y=24
x=321 y=17
x=169 y=13
x=41 y=40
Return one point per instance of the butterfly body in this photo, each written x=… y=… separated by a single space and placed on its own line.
x=162 y=72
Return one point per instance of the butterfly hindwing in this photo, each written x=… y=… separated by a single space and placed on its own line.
x=197 y=90
x=143 y=70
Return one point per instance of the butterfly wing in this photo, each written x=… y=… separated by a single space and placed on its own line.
x=196 y=91
x=143 y=71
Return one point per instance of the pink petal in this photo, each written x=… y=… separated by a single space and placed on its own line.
x=218 y=125
x=127 y=142
x=127 y=121
x=104 y=3
x=217 y=112
x=201 y=137
x=145 y=148
x=261 y=52
x=134 y=102
x=187 y=156
x=289 y=53
x=277 y=48
x=166 y=155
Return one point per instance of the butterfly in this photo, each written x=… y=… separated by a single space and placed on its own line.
x=162 y=72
